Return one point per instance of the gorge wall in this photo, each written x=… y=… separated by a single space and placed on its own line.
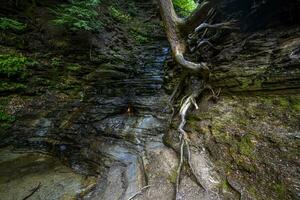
x=86 y=115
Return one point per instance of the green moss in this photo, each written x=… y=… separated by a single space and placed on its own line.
x=60 y=44
x=139 y=38
x=257 y=84
x=4 y=117
x=218 y=131
x=224 y=185
x=56 y=62
x=12 y=64
x=11 y=24
x=246 y=147
x=280 y=190
x=243 y=162
x=142 y=32
x=130 y=137
x=253 y=192
x=11 y=86
x=245 y=83
x=119 y=15
x=268 y=100
x=193 y=118
x=282 y=102
x=230 y=82
x=6 y=120
x=173 y=176
x=74 y=67
x=295 y=103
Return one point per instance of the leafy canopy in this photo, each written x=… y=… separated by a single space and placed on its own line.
x=78 y=15
x=184 y=7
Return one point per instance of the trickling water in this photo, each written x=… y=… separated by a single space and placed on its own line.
x=114 y=138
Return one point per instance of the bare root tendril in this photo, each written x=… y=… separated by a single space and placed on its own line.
x=139 y=192
x=187 y=102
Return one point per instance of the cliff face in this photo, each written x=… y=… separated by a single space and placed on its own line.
x=86 y=114
x=265 y=60
x=86 y=119
x=259 y=14
x=249 y=136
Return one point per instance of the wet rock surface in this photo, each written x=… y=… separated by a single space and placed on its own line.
x=114 y=134
x=99 y=117
x=25 y=172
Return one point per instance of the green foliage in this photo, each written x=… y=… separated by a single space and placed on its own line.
x=78 y=15
x=246 y=147
x=138 y=37
x=295 y=103
x=5 y=119
x=73 y=67
x=142 y=32
x=11 y=24
x=119 y=15
x=11 y=86
x=184 y=7
x=225 y=186
x=173 y=176
x=281 y=190
x=12 y=64
x=56 y=62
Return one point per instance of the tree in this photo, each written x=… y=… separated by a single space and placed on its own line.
x=178 y=28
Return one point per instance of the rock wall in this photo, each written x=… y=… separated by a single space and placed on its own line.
x=96 y=105
x=247 y=139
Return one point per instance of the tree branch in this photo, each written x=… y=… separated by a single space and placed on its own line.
x=198 y=16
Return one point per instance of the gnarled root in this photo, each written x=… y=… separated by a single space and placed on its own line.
x=224 y=25
x=202 y=42
x=184 y=141
x=198 y=68
x=187 y=102
x=139 y=192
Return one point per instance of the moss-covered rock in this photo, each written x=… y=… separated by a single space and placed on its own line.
x=253 y=140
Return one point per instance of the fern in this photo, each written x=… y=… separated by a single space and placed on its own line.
x=78 y=15
x=11 y=65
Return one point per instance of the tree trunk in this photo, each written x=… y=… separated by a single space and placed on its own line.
x=177 y=30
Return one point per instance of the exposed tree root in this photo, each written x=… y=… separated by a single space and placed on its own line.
x=203 y=42
x=195 y=67
x=139 y=192
x=34 y=190
x=178 y=30
x=184 y=140
x=224 y=25
x=177 y=90
x=187 y=102
x=179 y=166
